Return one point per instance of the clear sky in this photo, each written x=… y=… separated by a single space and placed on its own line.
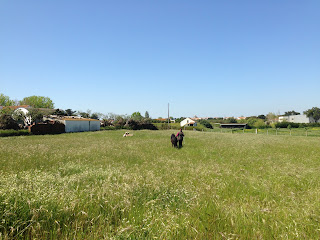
x=205 y=58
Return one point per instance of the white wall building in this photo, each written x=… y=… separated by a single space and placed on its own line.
x=296 y=119
x=80 y=124
x=188 y=122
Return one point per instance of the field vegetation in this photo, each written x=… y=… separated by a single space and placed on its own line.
x=99 y=185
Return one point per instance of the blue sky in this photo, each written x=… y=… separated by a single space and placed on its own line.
x=205 y=58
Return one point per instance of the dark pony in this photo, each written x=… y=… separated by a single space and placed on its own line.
x=174 y=141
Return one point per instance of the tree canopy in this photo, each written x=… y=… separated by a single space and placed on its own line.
x=5 y=100
x=289 y=113
x=69 y=112
x=262 y=116
x=37 y=102
x=314 y=113
x=136 y=116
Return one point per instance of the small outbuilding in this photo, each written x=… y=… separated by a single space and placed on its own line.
x=80 y=124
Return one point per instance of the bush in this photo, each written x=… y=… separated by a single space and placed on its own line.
x=7 y=122
x=149 y=126
x=286 y=125
x=132 y=124
x=119 y=123
x=108 y=128
x=138 y=125
x=206 y=123
x=256 y=123
x=47 y=128
x=8 y=133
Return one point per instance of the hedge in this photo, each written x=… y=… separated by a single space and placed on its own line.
x=9 y=133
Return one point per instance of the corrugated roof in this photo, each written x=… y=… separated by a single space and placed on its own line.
x=79 y=119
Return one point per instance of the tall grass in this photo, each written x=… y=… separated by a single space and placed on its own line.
x=99 y=185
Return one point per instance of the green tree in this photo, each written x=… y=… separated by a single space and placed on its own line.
x=205 y=123
x=136 y=116
x=262 y=116
x=7 y=122
x=6 y=111
x=271 y=117
x=37 y=102
x=5 y=100
x=146 y=115
x=84 y=114
x=95 y=116
x=254 y=122
x=35 y=114
x=180 y=119
x=289 y=113
x=231 y=120
x=259 y=123
x=69 y=112
x=59 y=112
x=314 y=113
x=119 y=122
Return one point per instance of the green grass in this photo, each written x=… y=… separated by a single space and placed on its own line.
x=10 y=132
x=99 y=185
x=311 y=132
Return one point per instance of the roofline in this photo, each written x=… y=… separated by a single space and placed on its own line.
x=79 y=119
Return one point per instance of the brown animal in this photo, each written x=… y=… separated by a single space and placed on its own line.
x=127 y=134
x=174 y=141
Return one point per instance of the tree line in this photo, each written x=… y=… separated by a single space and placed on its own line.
x=41 y=106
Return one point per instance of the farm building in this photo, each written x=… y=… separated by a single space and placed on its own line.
x=297 y=119
x=80 y=124
x=188 y=122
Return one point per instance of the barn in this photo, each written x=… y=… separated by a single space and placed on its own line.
x=80 y=124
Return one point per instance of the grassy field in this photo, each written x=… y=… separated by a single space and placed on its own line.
x=99 y=185
x=310 y=132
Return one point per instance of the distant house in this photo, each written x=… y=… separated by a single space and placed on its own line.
x=241 y=118
x=188 y=122
x=297 y=119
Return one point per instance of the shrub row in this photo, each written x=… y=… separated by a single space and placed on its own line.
x=8 y=133
x=138 y=125
x=295 y=125
x=132 y=125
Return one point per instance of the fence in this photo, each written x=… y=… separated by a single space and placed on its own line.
x=313 y=132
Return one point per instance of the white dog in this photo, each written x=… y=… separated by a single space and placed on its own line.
x=127 y=134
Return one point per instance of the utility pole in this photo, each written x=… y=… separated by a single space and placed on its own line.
x=168 y=117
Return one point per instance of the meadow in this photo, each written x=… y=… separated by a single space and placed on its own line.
x=99 y=185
